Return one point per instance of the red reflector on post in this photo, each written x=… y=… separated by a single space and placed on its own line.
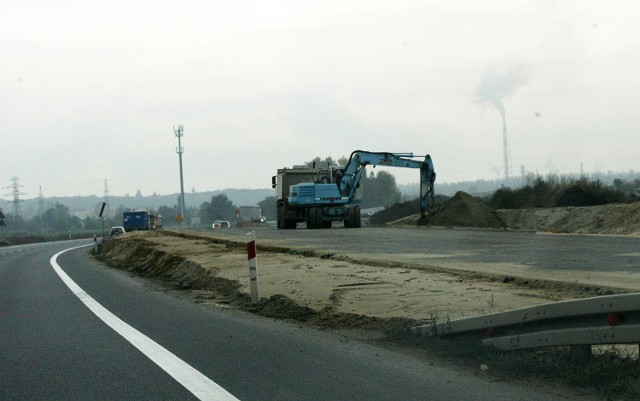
x=613 y=319
x=251 y=249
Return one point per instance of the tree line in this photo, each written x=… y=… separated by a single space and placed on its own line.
x=564 y=191
x=58 y=222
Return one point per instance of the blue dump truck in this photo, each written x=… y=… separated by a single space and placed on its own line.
x=140 y=220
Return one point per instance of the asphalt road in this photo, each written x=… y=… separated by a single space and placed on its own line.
x=54 y=347
x=547 y=251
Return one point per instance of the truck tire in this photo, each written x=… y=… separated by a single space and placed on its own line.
x=314 y=218
x=280 y=217
x=283 y=223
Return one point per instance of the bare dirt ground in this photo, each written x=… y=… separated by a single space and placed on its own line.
x=465 y=211
x=355 y=293
x=315 y=283
x=363 y=299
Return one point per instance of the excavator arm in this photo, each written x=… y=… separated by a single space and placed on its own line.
x=359 y=159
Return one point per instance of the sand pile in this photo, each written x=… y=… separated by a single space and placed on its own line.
x=464 y=210
x=616 y=219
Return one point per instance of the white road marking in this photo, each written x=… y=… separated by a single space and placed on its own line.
x=194 y=381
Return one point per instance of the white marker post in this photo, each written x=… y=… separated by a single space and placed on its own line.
x=253 y=268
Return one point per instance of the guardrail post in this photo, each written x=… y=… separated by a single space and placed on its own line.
x=580 y=353
x=253 y=268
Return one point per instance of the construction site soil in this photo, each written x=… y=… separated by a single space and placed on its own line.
x=350 y=293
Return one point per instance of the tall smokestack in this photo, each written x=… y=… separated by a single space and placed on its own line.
x=505 y=142
x=493 y=87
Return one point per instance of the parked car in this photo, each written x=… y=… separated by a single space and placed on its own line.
x=115 y=231
x=221 y=224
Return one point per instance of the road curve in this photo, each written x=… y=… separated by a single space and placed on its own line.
x=55 y=347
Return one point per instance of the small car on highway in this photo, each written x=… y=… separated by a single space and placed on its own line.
x=115 y=231
x=221 y=224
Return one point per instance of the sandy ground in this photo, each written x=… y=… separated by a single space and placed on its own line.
x=298 y=284
x=413 y=287
x=343 y=293
x=354 y=288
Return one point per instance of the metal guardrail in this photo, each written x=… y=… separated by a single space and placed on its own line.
x=612 y=319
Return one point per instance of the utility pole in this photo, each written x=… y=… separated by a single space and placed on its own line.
x=180 y=150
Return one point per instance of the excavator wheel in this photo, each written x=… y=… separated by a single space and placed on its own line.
x=352 y=219
x=357 y=221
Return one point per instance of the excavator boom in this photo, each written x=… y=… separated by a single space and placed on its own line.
x=359 y=159
x=313 y=196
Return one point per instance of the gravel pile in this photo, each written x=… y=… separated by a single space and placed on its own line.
x=464 y=210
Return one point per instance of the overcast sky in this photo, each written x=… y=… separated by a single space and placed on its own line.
x=90 y=90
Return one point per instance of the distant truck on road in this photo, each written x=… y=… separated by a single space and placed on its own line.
x=250 y=216
x=140 y=220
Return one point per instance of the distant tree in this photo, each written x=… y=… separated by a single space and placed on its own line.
x=326 y=162
x=557 y=192
x=190 y=213
x=58 y=218
x=15 y=222
x=587 y=193
x=220 y=208
x=169 y=215
x=380 y=190
x=268 y=206
x=114 y=218
x=317 y=162
x=92 y=223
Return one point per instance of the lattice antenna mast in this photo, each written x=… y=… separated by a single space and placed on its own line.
x=41 y=201
x=15 y=187
x=179 y=133
x=106 y=192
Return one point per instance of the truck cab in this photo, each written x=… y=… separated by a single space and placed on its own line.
x=310 y=195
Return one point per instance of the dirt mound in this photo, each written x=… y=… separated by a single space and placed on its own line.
x=282 y=307
x=139 y=257
x=617 y=219
x=178 y=273
x=464 y=210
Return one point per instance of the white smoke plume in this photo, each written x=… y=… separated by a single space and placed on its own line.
x=493 y=87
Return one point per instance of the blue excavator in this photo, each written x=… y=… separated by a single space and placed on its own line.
x=319 y=196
